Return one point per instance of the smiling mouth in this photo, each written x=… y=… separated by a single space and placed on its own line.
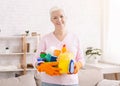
x=59 y=23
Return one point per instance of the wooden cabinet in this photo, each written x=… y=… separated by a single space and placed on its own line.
x=17 y=51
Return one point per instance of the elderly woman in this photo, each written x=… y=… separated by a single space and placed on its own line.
x=57 y=39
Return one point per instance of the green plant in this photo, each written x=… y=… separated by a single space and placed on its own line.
x=90 y=52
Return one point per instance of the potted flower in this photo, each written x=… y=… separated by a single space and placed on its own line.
x=93 y=53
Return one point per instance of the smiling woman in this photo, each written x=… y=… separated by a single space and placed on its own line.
x=59 y=38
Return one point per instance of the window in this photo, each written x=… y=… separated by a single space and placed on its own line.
x=112 y=34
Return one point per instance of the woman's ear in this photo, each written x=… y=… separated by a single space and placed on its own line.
x=51 y=20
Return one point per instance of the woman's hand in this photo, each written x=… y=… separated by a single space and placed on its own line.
x=77 y=66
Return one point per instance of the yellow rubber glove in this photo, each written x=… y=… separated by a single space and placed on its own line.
x=77 y=66
x=50 y=68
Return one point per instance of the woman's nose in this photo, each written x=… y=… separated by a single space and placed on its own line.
x=59 y=19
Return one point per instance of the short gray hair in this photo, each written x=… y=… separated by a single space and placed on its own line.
x=55 y=9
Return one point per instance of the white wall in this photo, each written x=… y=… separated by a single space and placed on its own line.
x=16 y=16
x=83 y=18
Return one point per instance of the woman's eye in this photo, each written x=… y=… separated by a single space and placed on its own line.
x=61 y=16
x=55 y=18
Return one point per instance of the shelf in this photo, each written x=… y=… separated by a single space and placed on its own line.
x=13 y=70
x=16 y=37
x=16 y=53
x=9 y=37
x=18 y=48
x=11 y=53
x=31 y=36
x=30 y=53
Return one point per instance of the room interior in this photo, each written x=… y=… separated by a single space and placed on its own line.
x=24 y=22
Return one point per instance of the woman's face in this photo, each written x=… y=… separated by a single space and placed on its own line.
x=58 y=19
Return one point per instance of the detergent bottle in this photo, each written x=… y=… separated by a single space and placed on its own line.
x=64 y=49
x=65 y=61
